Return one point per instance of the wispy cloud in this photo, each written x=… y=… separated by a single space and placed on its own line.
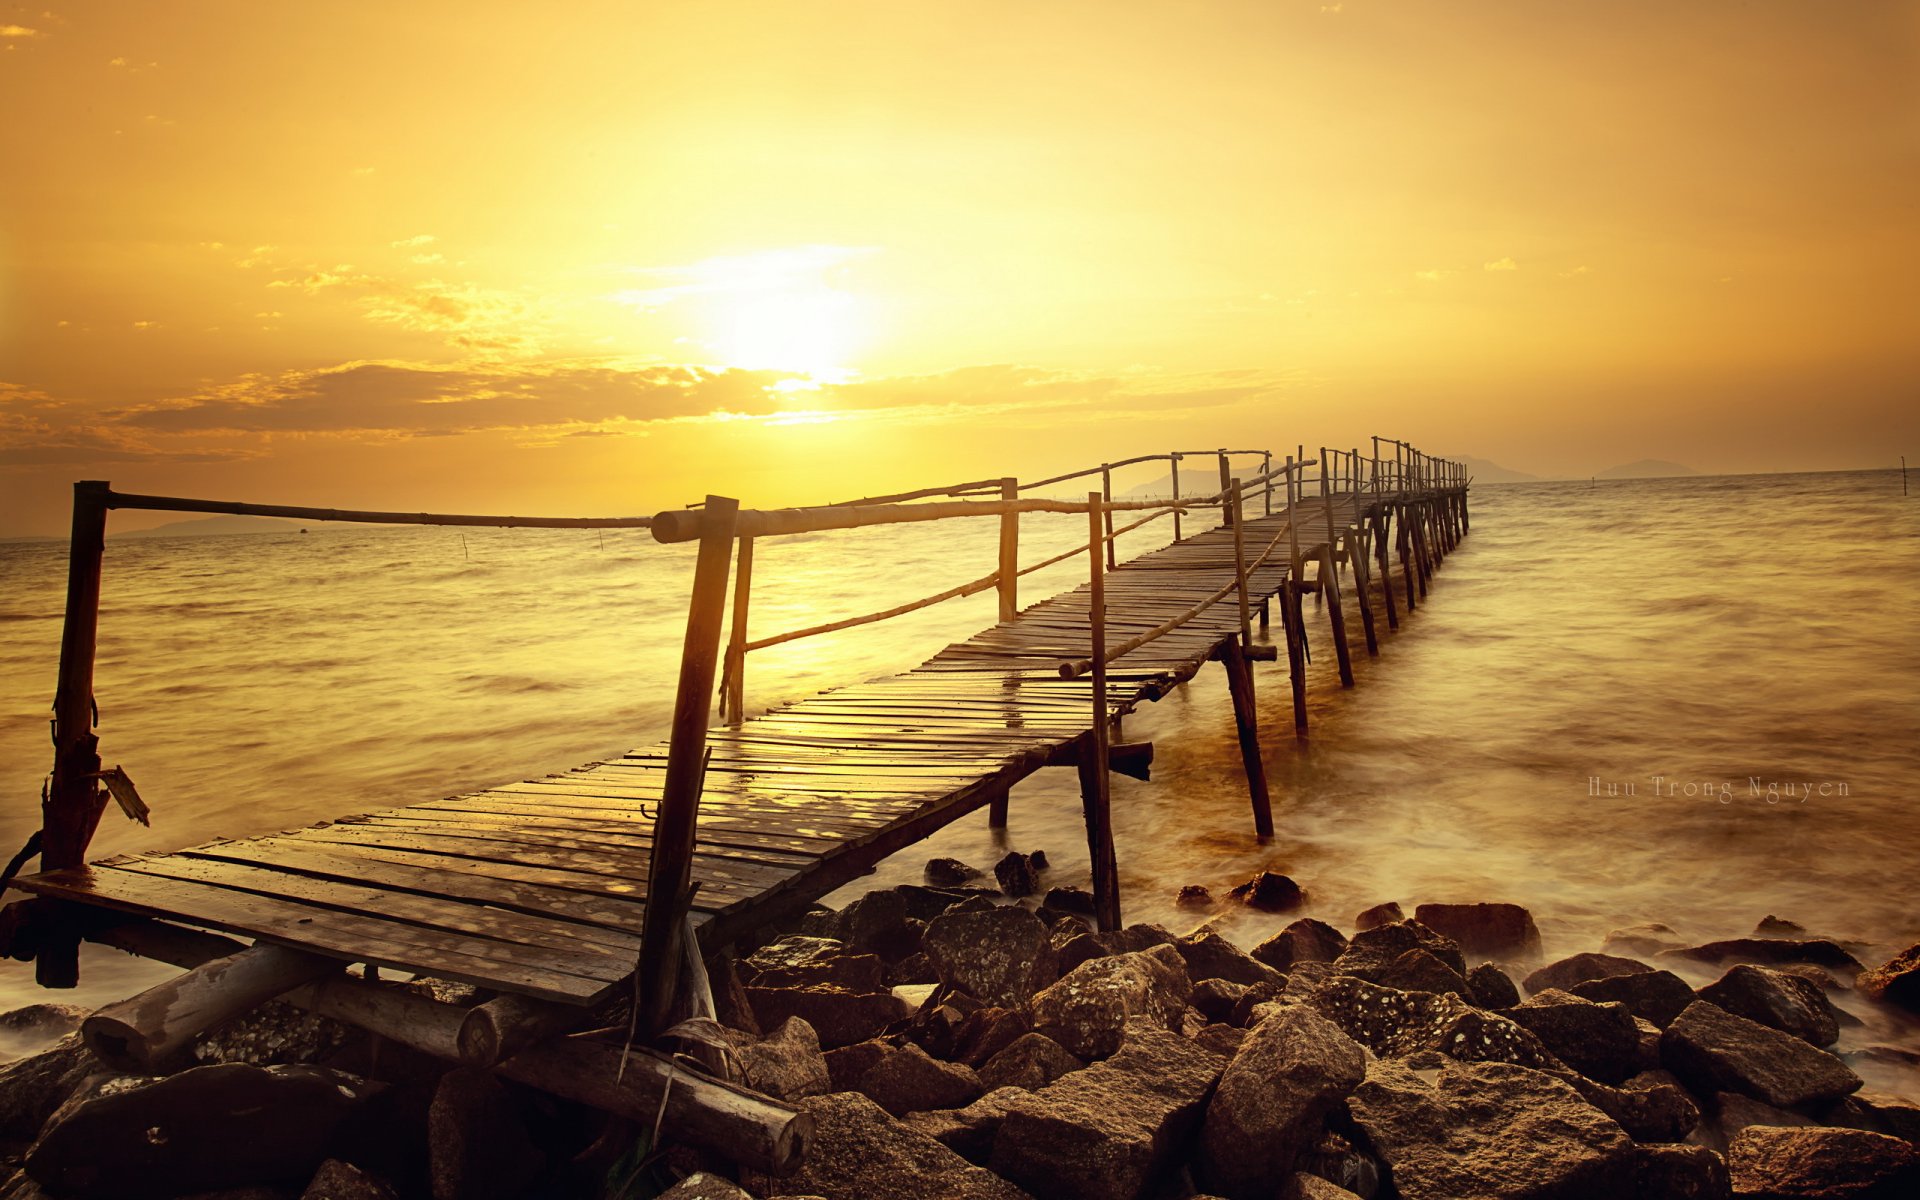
x=414 y=242
x=767 y=270
x=1500 y=264
x=18 y=31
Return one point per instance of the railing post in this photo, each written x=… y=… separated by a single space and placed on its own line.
x=1326 y=498
x=74 y=798
x=671 y=863
x=1009 y=584
x=1175 y=459
x=1226 y=482
x=733 y=676
x=1096 y=798
x=1266 y=468
x=1106 y=495
x=1240 y=564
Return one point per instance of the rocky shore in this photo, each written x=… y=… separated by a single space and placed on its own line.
x=974 y=1040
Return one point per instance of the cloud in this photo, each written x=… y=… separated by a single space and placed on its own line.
x=18 y=31
x=1500 y=264
x=417 y=240
x=1433 y=276
x=37 y=430
x=1576 y=272
x=766 y=270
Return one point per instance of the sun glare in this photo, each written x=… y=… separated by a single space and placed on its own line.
x=811 y=328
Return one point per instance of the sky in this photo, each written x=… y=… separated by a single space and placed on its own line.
x=607 y=258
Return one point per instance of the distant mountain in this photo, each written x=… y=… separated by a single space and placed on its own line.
x=1647 y=468
x=1483 y=471
x=217 y=527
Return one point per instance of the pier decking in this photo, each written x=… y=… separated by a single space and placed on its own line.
x=541 y=888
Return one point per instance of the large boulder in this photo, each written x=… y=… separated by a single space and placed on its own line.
x=1818 y=951
x=1372 y=952
x=1000 y=955
x=1269 y=891
x=839 y=1016
x=858 y=1152
x=800 y=961
x=1769 y=1161
x=969 y=1131
x=1576 y=969
x=1597 y=1040
x=1896 y=981
x=1656 y=996
x=880 y=923
x=1031 y=1061
x=1651 y=1107
x=1210 y=956
x=1498 y=930
x=1490 y=987
x=31 y=1089
x=1017 y=874
x=1679 y=1172
x=1306 y=940
x=1290 y=1072
x=1419 y=970
x=1108 y=1131
x=1712 y=1050
x=478 y=1147
x=1386 y=913
x=337 y=1180
x=908 y=1080
x=786 y=1064
x=226 y=1126
x=1395 y=1024
x=1493 y=1131
x=1785 y=1002
x=1088 y=1010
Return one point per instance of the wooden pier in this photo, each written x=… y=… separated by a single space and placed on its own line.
x=563 y=889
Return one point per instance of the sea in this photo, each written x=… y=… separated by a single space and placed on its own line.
x=1692 y=701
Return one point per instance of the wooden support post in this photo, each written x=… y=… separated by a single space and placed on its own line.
x=1362 y=585
x=1009 y=582
x=1174 y=462
x=495 y=1031
x=1326 y=506
x=1246 y=721
x=1095 y=795
x=997 y=810
x=1294 y=619
x=145 y=1032
x=1381 y=556
x=1336 y=618
x=1106 y=520
x=1405 y=540
x=74 y=798
x=733 y=676
x=1266 y=468
x=1226 y=481
x=670 y=864
x=1240 y=562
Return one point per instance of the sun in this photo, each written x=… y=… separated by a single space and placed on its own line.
x=789 y=325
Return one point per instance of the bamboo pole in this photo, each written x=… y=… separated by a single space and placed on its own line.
x=1176 y=492
x=734 y=675
x=1381 y=556
x=1247 y=725
x=1266 y=468
x=1106 y=509
x=684 y=525
x=1240 y=566
x=296 y=512
x=1336 y=615
x=144 y=1033
x=1009 y=572
x=1095 y=792
x=670 y=864
x=1226 y=484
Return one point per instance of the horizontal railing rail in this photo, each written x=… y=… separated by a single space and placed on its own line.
x=130 y=500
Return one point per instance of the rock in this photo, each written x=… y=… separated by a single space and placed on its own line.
x=1210 y=956
x=1289 y=1073
x=1896 y=981
x=1490 y=987
x=1016 y=875
x=1193 y=895
x=1818 y=951
x=1877 y=1112
x=1679 y=1173
x=477 y=1145
x=1306 y=979
x=1223 y=1040
x=1419 y=971
x=1768 y=1161
x=1784 y=1002
x=1500 y=930
x=1258 y=994
x=1078 y=901
x=1338 y=1159
x=1650 y=938
x=1106 y=1132
x=984 y=1033
x=1647 y=1054
x=1650 y=1108
x=1373 y=951
x=1380 y=914
x=1087 y=1010
x=272 y=1033
x=786 y=1064
x=910 y=1080
x=848 y=1064
x=1214 y=999
x=1306 y=940
x=1597 y=1040
x=1711 y=1050
x=1580 y=968
x=1819 y=977
x=1491 y=1131
x=226 y=1126
x=1733 y=1112
x=1395 y=1024
x=948 y=872
x=879 y=923
x=1001 y=955
x=31 y=1089
x=801 y=961
x=1269 y=891
x=1656 y=996
x=969 y=1131
x=839 y=1016
x=40 y=1025
x=1031 y=1061
x=336 y=1180
x=1772 y=926
x=858 y=1152
x=914 y=968
x=1301 y=1186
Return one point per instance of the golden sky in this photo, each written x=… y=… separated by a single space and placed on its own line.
x=604 y=258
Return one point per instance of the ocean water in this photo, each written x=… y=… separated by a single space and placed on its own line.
x=1694 y=701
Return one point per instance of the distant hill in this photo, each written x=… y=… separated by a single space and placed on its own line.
x=1483 y=471
x=216 y=527
x=1647 y=468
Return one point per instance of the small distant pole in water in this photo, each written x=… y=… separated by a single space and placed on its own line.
x=463 y=548
x=1903 y=474
x=603 y=541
